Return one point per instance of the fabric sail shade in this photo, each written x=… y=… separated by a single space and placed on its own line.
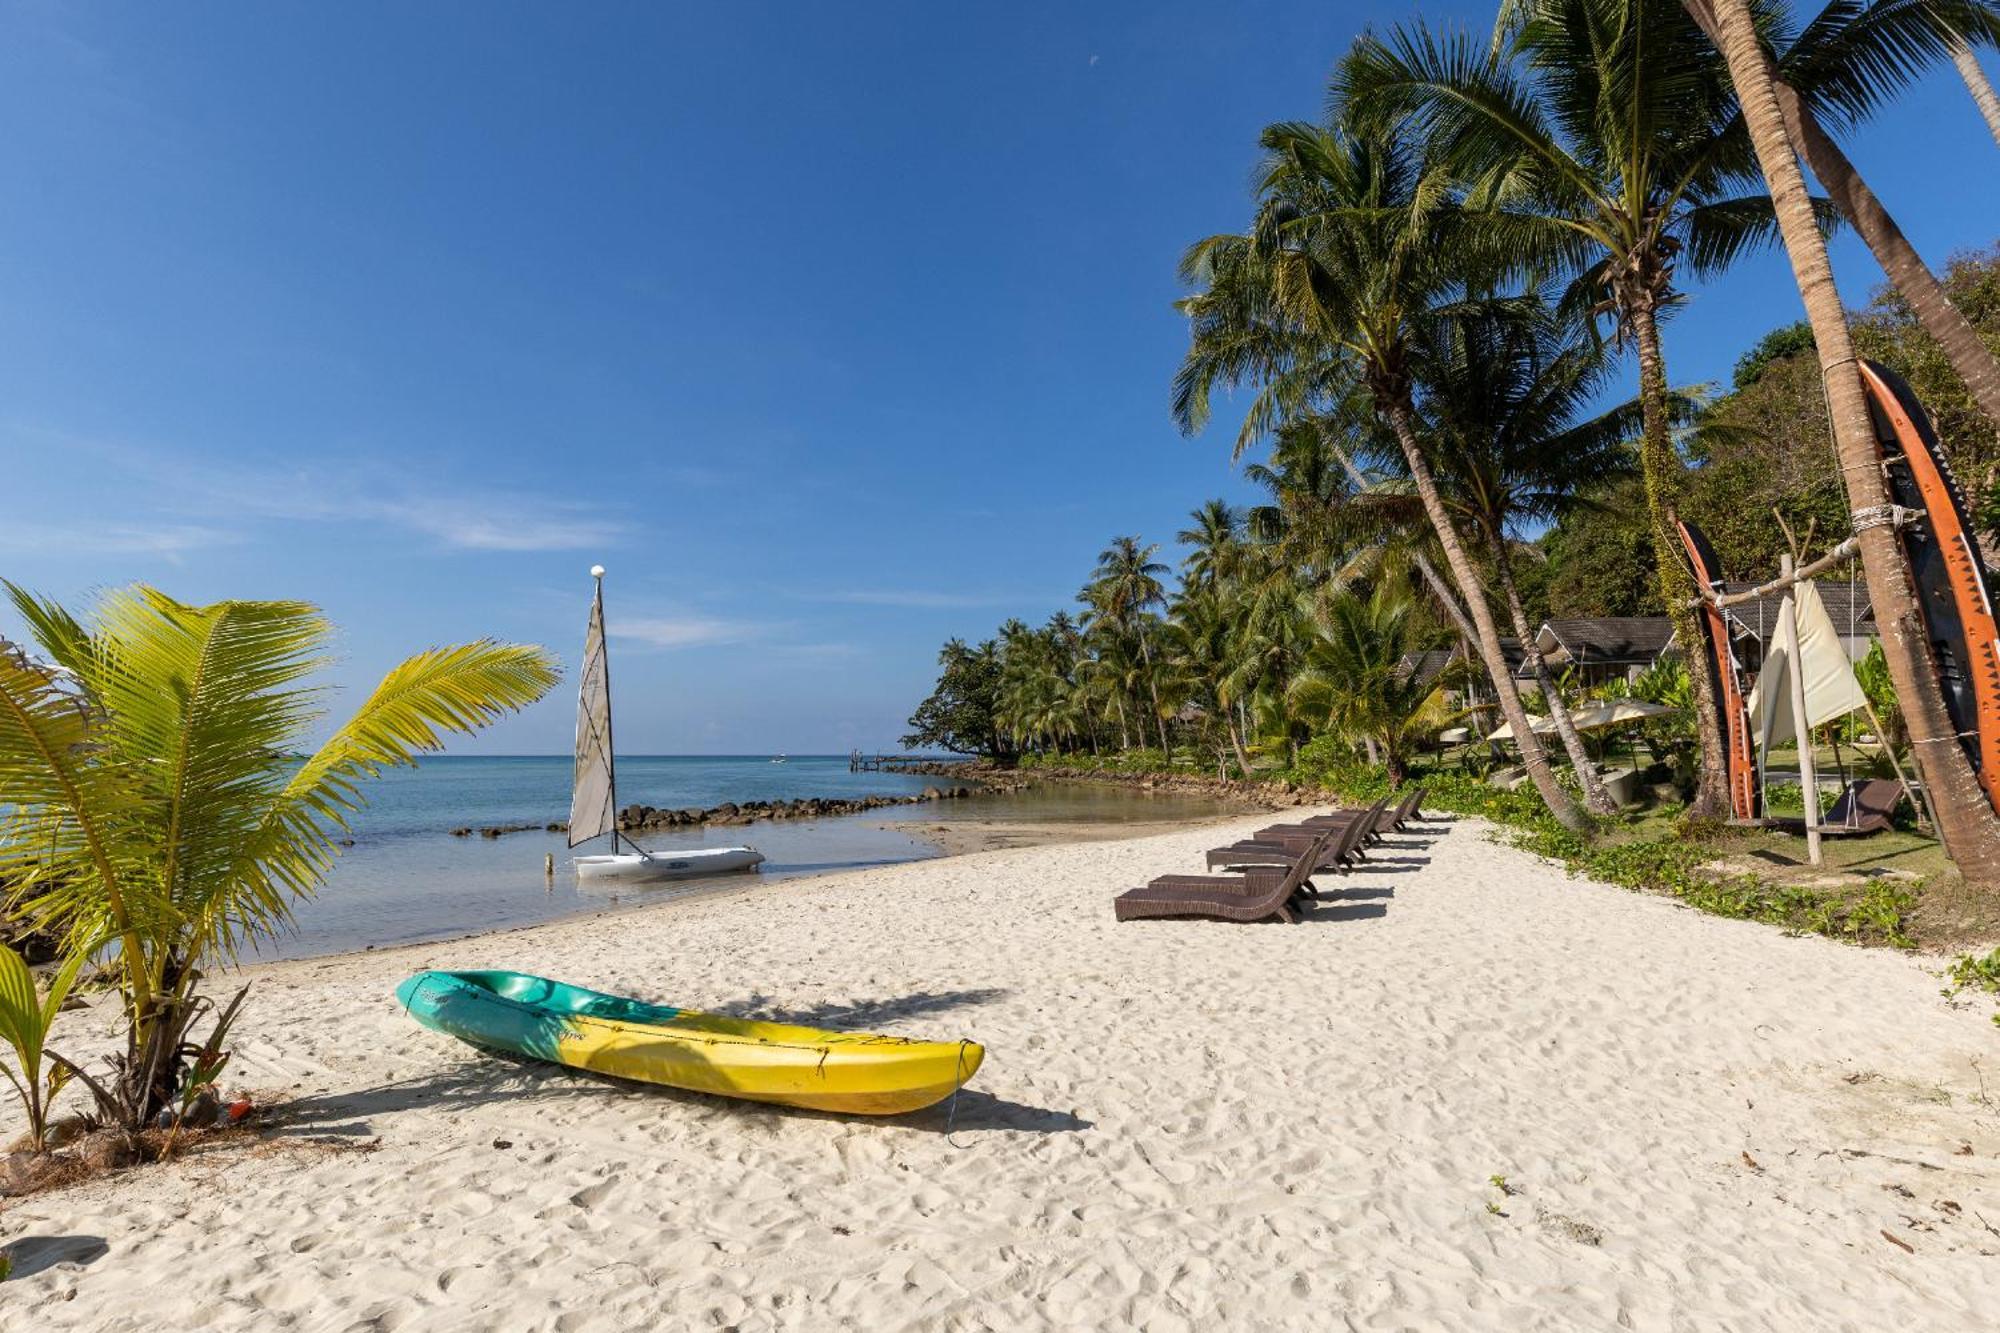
x=1831 y=690
x=592 y=797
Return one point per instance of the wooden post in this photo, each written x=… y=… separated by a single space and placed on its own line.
x=1808 y=776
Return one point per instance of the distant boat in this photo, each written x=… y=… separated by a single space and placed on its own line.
x=779 y=759
x=593 y=805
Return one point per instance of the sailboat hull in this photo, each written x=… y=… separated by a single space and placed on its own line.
x=689 y=864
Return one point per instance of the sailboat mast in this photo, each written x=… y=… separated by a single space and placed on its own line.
x=610 y=746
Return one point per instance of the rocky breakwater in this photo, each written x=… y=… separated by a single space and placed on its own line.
x=634 y=818
x=640 y=818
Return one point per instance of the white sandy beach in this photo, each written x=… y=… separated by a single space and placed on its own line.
x=1179 y=1125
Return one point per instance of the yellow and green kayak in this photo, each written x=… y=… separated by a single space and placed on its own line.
x=858 y=1073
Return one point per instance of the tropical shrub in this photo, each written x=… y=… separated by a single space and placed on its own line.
x=158 y=811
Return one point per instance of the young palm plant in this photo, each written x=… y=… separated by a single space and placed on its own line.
x=1358 y=682
x=155 y=806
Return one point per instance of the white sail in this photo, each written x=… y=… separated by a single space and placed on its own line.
x=593 y=794
x=1831 y=690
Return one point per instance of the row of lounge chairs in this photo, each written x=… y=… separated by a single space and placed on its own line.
x=1271 y=873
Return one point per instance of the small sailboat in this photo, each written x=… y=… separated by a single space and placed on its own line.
x=593 y=808
x=780 y=759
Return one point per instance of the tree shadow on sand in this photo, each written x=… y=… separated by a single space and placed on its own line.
x=859 y=1013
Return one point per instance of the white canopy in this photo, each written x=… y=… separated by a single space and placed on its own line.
x=1617 y=713
x=1596 y=717
x=1541 y=726
x=1830 y=687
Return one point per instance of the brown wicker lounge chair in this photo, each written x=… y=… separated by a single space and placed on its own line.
x=1406 y=810
x=1283 y=846
x=1260 y=895
x=1867 y=806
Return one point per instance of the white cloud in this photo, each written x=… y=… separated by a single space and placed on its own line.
x=170 y=541
x=460 y=518
x=682 y=631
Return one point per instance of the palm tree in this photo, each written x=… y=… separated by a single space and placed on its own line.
x=1128 y=580
x=1965 y=819
x=1506 y=389
x=1214 y=542
x=1357 y=682
x=154 y=803
x=1355 y=245
x=1203 y=628
x=1838 y=70
x=1976 y=83
x=1602 y=136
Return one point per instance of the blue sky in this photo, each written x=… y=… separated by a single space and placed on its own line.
x=831 y=330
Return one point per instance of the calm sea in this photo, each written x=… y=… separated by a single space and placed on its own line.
x=406 y=879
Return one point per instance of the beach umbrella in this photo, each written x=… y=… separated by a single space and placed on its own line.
x=1541 y=726
x=1617 y=713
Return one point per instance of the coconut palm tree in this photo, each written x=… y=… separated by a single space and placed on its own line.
x=1965 y=819
x=1507 y=388
x=1127 y=585
x=1976 y=83
x=155 y=808
x=1839 y=69
x=1602 y=139
x=1214 y=541
x=1356 y=242
x=1203 y=639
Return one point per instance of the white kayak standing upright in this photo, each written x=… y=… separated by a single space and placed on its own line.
x=593 y=806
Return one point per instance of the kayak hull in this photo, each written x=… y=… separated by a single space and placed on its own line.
x=1945 y=565
x=852 y=1073
x=1725 y=681
x=688 y=864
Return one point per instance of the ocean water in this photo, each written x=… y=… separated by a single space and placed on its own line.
x=405 y=879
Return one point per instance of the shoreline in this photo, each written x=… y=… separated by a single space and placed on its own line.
x=949 y=839
x=1697 y=1120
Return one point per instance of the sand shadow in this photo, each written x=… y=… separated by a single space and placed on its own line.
x=862 y=1014
x=1325 y=911
x=33 y=1254
x=983 y=1111
x=1360 y=893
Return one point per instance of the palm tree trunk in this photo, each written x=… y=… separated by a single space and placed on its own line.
x=1662 y=473
x=1560 y=805
x=1595 y=799
x=1421 y=559
x=1900 y=262
x=1978 y=85
x=1153 y=688
x=1236 y=744
x=1965 y=818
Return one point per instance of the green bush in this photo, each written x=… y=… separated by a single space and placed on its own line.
x=1974 y=973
